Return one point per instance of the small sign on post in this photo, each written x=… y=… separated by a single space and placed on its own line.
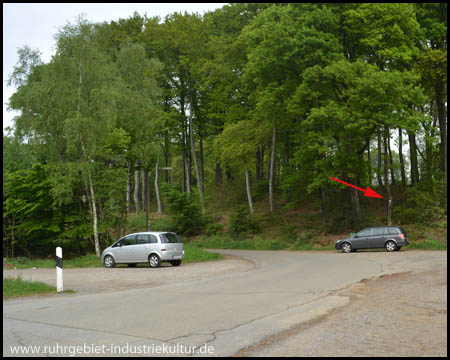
x=59 y=273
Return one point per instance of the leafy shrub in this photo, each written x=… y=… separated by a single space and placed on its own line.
x=186 y=212
x=288 y=234
x=420 y=207
x=241 y=222
x=213 y=229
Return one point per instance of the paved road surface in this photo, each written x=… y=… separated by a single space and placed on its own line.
x=224 y=308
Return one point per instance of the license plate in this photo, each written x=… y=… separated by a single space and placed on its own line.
x=177 y=257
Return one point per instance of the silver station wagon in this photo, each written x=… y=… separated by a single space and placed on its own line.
x=145 y=247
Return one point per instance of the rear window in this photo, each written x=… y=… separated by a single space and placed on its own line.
x=377 y=231
x=142 y=239
x=393 y=231
x=169 y=238
x=146 y=239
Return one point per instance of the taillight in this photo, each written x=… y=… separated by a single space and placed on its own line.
x=401 y=236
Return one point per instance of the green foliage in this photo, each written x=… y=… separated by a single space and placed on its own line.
x=258 y=242
x=69 y=261
x=19 y=287
x=193 y=253
x=16 y=155
x=137 y=223
x=237 y=143
x=213 y=229
x=186 y=212
x=420 y=206
x=428 y=244
x=288 y=233
x=33 y=223
x=242 y=222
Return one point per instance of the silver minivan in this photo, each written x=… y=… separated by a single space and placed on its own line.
x=145 y=247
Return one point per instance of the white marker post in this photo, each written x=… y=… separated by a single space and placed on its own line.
x=59 y=272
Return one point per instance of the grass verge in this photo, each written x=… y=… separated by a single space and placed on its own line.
x=428 y=244
x=26 y=263
x=226 y=241
x=192 y=254
x=13 y=287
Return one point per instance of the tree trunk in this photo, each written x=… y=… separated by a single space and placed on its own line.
x=380 y=182
x=386 y=180
x=136 y=188
x=166 y=156
x=258 y=164
x=369 y=161
x=183 y=171
x=413 y=157
x=442 y=125
x=202 y=166
x=249 y=194
x=429 y=134
x=94 y=214
x=128 y=187
x=262 y=163
x=323 y=206
x=158 y=197
x=91 y=186
x=268 y=162
x=202 y=162
x=355 y=206
x=143 y=189
x=229 y=174
x=93 y=204
x=191 y=133
x=188 y=175
x=400 y=154
x=13 y=239
x=391 y=163
x=188 y=163
x=147 y=199
x=184 y=182
x=272 y=168
x=218 y=175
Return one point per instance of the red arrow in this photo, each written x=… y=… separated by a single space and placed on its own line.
x=368 y=192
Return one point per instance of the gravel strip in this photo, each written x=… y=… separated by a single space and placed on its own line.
x=395 y=315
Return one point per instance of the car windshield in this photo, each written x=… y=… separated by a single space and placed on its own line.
x=169 y=238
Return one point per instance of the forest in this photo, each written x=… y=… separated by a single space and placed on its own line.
x=247 y=111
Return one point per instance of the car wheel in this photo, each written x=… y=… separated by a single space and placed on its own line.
x=390 y=246
x=109 y=261
x=132 y=265
x=176 y=263
x=154 y=261
x=346 y=247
